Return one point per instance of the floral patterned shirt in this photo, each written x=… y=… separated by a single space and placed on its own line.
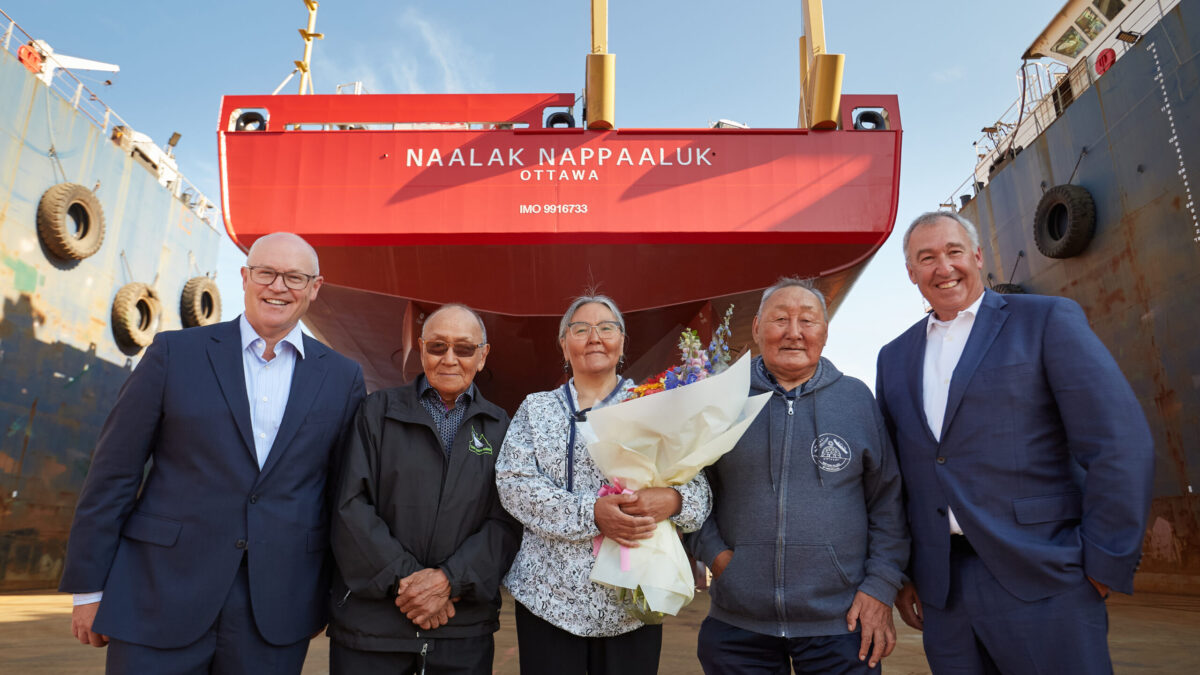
x=550 y=575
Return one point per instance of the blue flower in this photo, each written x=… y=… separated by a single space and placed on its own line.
x=671 y=380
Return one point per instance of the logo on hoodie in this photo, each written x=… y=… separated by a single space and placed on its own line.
x=831 y=452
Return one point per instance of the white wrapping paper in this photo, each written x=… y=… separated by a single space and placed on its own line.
x=663 y=440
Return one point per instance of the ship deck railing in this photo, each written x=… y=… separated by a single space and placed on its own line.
x=1049 y=89
x=69 y=87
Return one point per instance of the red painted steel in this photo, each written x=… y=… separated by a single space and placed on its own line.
x=396 y=108
x=542 y=211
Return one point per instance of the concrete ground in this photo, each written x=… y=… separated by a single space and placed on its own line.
x=1148 y=633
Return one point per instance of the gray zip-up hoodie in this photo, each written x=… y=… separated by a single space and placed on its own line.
x=809 y=501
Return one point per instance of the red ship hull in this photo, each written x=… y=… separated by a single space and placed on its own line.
x=516 y=221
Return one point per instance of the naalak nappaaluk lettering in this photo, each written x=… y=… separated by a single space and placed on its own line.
x=551 y=157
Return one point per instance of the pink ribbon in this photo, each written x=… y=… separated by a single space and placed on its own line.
x=615 y=489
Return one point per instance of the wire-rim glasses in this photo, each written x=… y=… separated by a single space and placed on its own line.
x=265 y=276
x=605 y=330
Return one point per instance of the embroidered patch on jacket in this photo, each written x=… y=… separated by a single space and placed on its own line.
x=479 y=444
x=831 y=452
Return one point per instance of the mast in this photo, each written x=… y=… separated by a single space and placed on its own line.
x=309 y=35
x=820 y=73
x=599 y=105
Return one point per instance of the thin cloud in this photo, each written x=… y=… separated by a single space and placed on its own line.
x=410 y=82
x=424 y=56
x=442 y=49
x=952 y=74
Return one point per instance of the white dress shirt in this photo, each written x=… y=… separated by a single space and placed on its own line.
x=944 y=343
x=268 y=384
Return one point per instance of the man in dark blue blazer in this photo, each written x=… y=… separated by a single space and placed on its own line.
x=216 y=558
x=1027 y=467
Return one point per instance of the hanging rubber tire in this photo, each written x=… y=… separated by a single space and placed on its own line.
x=1008 y=289
x=250 y=121
x=560 y=117
x=200 y=302
x=70 y=221
x=135 y=316
x=870 y=120
x=1064 y=222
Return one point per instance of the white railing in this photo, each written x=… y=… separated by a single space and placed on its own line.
x=1049 y=89
x=72 y=90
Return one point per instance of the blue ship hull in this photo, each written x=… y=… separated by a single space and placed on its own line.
x=1133 y=141
x=60 y=364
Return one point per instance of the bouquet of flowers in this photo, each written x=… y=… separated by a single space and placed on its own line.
x=697 y=412
x=698 y=362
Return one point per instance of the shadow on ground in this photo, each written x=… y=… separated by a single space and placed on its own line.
x=1148 y=633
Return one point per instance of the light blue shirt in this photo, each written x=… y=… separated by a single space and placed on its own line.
x=268 y=383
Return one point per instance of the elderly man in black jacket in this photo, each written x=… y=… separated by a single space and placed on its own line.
x=419 y=534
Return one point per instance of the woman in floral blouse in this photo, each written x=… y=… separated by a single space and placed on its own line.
x=565 y=623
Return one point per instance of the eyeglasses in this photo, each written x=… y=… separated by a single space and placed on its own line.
x=463 y=350
x=606 y=330
x=297 y=281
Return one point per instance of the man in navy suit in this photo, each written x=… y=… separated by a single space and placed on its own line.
x=1027 y=467
x=217 y=560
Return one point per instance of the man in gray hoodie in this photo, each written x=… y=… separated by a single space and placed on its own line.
x=807 y=538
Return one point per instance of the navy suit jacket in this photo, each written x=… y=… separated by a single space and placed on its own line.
x=165 y=549
x=1045 y=455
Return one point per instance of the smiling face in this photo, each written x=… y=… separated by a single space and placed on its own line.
x=590 y=354
x=944 y=265
x=449 y=373
x=274 y=310
x=790 y=332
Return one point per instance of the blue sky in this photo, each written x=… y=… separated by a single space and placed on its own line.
x=679 y=64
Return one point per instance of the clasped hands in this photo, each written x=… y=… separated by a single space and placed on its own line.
x=626 y=518
x=424 y=597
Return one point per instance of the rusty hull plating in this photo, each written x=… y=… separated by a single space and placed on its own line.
x=1133 y=141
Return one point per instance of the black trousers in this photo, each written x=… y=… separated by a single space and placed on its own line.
x=444 y=656
x=546 y=649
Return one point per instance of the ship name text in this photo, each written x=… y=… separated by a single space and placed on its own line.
x=553 y=163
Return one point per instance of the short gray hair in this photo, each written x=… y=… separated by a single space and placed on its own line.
x=793 y=282
x=287 y=235
x=930 y=217
x=455 y=305
x=587 y=300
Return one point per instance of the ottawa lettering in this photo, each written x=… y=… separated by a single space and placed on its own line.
x=559 y=174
